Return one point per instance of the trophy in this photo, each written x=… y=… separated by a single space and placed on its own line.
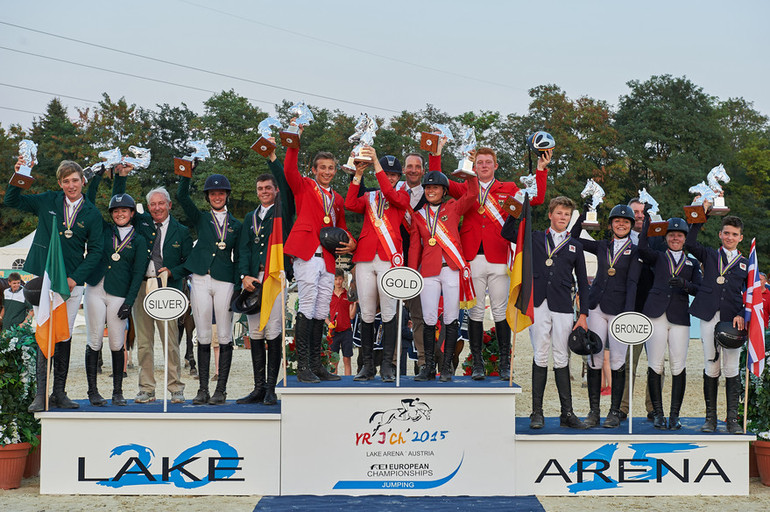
x=364 y=135
x=658 y=226
x=429 y=141
x=141 y=158
x=713 y=178
x=28 y=153
x=303 y=115
x=695 y=213
x=596 y=192
x=184 y=166
x=514 y=204
x=263 y=146
x=469 y=144
x=110 y=158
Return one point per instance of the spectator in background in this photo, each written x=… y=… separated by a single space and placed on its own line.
x=341 y=311
x=15 y=310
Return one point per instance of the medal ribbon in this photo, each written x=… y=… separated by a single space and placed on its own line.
x=326 y=202
x=221 y=229
x=256 y=224
x=674 y=268
x=550 y=252
x=613 y=258
x=483 y=193
x=722 y=258
x=385 y=232
x=119 y=246
x=432 y=223
x=70 y=214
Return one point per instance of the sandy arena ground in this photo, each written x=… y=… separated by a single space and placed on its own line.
x=27 y=498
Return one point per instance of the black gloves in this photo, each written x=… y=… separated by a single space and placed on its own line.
x=124 y=312
x=677 y=282
x=587 y=205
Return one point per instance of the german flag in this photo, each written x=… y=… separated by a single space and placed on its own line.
x=521 y=312
x=272 y=283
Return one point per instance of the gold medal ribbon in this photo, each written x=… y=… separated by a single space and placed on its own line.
x=118 y=246
x=672 y=267
x=613 y=258
x=326 y=201
x=483 y=193
x=70 y=214
x=723 y=258
x=221 y=229
x=549 y=251
x=432 y=222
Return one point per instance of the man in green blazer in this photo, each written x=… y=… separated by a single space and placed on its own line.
x=79 y=226
x=170 y=244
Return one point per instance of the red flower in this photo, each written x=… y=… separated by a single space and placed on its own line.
x=493 y=358
x=470 y=357
x=492 y=330
x=487 y=337
x=467 y=371
x=291 y=346
x=495 y=373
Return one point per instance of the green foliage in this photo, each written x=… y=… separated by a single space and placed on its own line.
x=490 y=352
x=18 y=352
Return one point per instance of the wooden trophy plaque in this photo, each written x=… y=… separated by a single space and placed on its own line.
x=22 y=181
x=657 y=228
x=263 y=146
x=183 y=167
x=429 y=142
x=695 y=214
x=591 y=223
x=513 y=207
x=290 y=138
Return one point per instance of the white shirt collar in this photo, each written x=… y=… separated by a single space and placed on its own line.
x=731 y=255
x=124 y=230
x=72 y=204
x=676 y=254
x=263 y=211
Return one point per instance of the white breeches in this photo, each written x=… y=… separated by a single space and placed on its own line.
x=209 y=295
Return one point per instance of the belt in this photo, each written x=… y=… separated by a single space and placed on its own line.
x=445 y=264
x=318 y=255
x=481 y=248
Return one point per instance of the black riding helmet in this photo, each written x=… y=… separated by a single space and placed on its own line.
x=122 y=201
x=678 y=224
x=216 y=182
x=623 y=211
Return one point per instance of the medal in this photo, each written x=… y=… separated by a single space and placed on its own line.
x=548 y=262
x=327 y=219
x=550 y=252
x=115 y=256
x=722 y=268
x=222 y=246
x=432 y=223
x=481 y=210
x=721 y=280
x=221 y=231
x=613 y=258
x=611 y=271
x=431 y=241
x=378 y=223
x=483 y=193
x=119 y=246
x=68 y=233
x=70 y=215
x=327 y=203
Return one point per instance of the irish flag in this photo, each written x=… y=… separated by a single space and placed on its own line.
x=52 y=313
x=272 y=282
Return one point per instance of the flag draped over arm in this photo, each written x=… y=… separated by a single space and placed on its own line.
x=754 y=317
x=521 y=312
x=52 y=312
x=272 y=282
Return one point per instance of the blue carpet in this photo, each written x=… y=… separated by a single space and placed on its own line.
x=690 y=426
x=187 y=407
x=406 y=382
x=389 y=503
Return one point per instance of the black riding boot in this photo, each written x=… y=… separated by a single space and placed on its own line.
x=539 y=378
x=316 y=334
x=258 y=366
x=92 y=362
x=38 y=404
x=273 y=367
x=616 y=398
x=367 y=371
x=302 y=330
x=428 y=371
x=225 y=361
x=563 y=386
x=389 y=334
x=594 y=380
x=118 y=359
x=204 y=361
x=476 y=334
x=678 y=384
x=503 y=332
x=61 y=366
x=733 y=395
x=710 y=385
x=654 y=385
x=450 y=341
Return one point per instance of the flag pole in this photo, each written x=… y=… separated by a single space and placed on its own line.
x=746 y=397
x=283 y=327
x=50 y=350
x=513 y=349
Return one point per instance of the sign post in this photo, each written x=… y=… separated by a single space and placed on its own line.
x=400 y=283
x=631 y=328
x=165 y=304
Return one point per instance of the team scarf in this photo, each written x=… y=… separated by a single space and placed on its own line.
x=384 y=229
x=673 y=267
x=439 y=231
x=327 y=203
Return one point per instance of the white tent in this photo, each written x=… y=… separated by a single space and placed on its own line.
x=12 y=256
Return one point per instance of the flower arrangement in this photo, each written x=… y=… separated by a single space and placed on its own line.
x=18 y=353
x=328 y=358
x=490 y=352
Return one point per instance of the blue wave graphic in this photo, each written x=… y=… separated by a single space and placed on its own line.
x=398 y=484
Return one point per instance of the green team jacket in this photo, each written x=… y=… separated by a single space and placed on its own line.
x=205 y=257
x=122 y=278
x=177 y=244
x=87 y=233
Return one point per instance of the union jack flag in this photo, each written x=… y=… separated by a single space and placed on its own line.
x=752 y=299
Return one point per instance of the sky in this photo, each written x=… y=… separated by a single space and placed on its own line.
x=374 y=57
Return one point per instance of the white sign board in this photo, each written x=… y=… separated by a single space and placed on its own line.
x=631 y=328
x=165 y=304
x=401 y=283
